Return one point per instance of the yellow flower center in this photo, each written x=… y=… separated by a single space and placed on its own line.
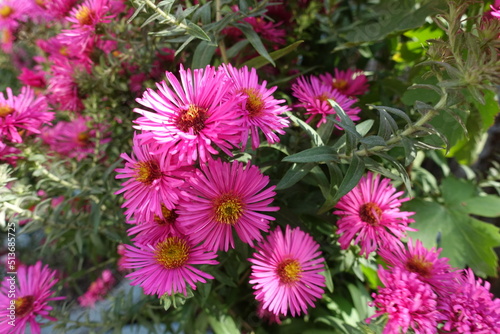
x=64 y=51
x=370 y=213
x=169 y=216
x=6 y=11
x=289 y=271
x=5 y=110
x=24 y=305
x=84 y=16
x=419 y=266
x=147 y=171
x=339 y=84
x=323 y=97
x=228 y=209
x=254 y=104
x=41 y=3
x=172 y=253
x=193 y=117
x=83 y=138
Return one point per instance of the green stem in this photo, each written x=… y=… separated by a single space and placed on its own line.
x=170 y=19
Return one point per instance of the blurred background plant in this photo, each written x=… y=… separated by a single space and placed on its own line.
x=427 y=118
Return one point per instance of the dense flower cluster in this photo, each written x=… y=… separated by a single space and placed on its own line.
x=97 y=289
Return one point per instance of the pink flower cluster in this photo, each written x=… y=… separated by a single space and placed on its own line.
x=98 y=289
x=422 y=292
x=185 y=204
x=315 y=92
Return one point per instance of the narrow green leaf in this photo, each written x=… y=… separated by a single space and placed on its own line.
x=137 y=11
x=294 y=175
x=353 y=175
x=410 y=152
x=315 y=154
x=260 y=61
x=203 y=54
x=307 y=128
x=182 y=14
x=196 y=31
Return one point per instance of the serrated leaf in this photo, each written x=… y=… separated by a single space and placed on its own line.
x=254 y=39
x=260 y=61
x=294 y=175
x=315 y=154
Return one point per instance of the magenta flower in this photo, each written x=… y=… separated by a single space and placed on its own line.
x=350 y=83
x=259 y=109
x=32 y=78
x=424 y=262
x=32 y=294
x=192 y=115
x=11 y=12
x=25 y=111
x=151 y=232
x=224 y=196
x=167 y=267
x=73 y=139
x=286 y=272
x=313 y=96
x=62 y=86
x=408 y=303
x=97 y=289
x=370 y=215
x=472 y=308
x=153 y=181
x=85 y=18
x=9 y=154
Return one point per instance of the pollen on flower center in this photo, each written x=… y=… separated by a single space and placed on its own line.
x=193 y=117
x=339 y=84
x=419 y=266
x=172 y=253
x=6 y=11
x=83 y=138
x=228 y=209
x=323 y=97
x=84 y=16
x=147 y=171
x=41 y=3
x=370 y=213
x=24 y=305
x=5 y=110
x=169 y=216
x=254 y=104
x=289 y=271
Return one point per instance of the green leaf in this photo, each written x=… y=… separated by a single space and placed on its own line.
x=203 y=54
x=307 y=128
x=465 y=240
x=224 y=324
x=254 y=39
x=195 y=31
x=260 y=61
x=352 y=177
x=294 y=175
x=484 y=206
x=315 y=154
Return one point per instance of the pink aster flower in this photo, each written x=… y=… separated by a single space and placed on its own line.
x=408 y=303
x=313 y=95
x=11 y=12
x=167 y=267
x=22 y=112
x=32 y=78
x=286 y=271
x=192 y=115
x=224 y=196
x=97 y=289
x=32 y=295
x=268 y=30
x=63 y=88
x=9 y=154
x=73 y=139
x=152 y=181
x=472 y=308
x=370 y=215
x=6 y=40
x=350 y=83
x=151 y=232
x=424 y=262
x=259 y=110
x=85 y=18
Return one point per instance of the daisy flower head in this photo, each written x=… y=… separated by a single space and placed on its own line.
x=9 y=154
x=33 y=293
x=313 y=96
x=370 y=215
x=160 y=227
x=192 y=115
x=350 y=83
x=225 y=196
x=424 y=262
x=286 y=272
x=153 y=181
x=472 y=308
x=167 y=267
x=85 y=18
x=259 y=109
x=25 y=111
x=11 y=12
x=63 y=88
x=408 y=303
